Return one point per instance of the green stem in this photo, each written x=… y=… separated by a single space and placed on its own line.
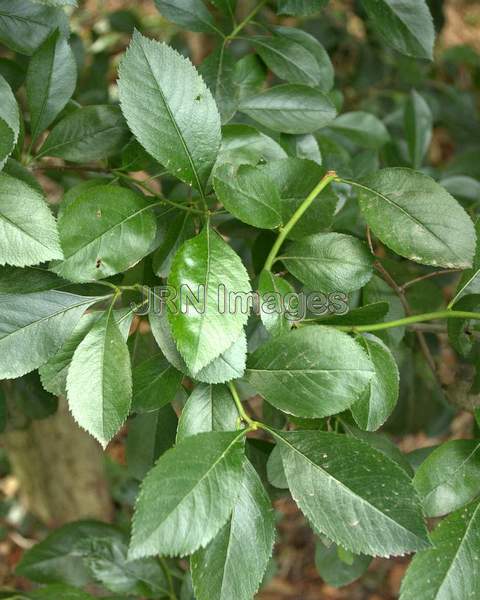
x=441 y=314
x=322 y=184
x=247 y=20
x=252 y=425
x=168 y=577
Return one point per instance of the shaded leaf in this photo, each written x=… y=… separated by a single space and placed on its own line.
x=155 y=383
x=418 y=128
x=362 y=128
x=9 y=121
x=189 y=14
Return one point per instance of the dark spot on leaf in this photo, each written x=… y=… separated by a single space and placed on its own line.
x=98 y=264
x=198 y=98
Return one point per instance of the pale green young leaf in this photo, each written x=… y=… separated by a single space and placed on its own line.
x=449 y=570
x=208 y=408
x=418 y=120
x=155 y=383
x=9 y=121
x=199 y=476
x=372 y=509
x=51 y=81
x=362 y=128
x=327 y=369
x=380 y=398
x=107 y=230
x=34 y=326
x=329 y=262
x=189 y=14
x=417 y=218
x=211 y=270
x=290 y=108
x=170 y=110
x=99 y=380
x=233 y=564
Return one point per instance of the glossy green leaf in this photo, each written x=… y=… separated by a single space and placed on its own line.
x=406 y=26
x=450 y=477
x=327 y=369
x=189 y=14
x=273 y=291
x=51 y=81
x=470 y=280
x=372 y=509
x=248 y=76
x=202 y=476
x=300 y=7
x=9 y=121
x=208 y=267
x=363 y=315
x=208 y=408
x=362 y=128
x=34 y=326
x=155 y=383
x=416 y=218
x=329 y=262
x=290 y=108
x=418 y=128
x=378 y=401
x=230 y=364
x=218 y=71
x=449 y=570
x=302 y=146
x=25 y=25
x=242 y=144
x=28 y=230
x=249 y=194
x=108 y=229
x=99 y=380
x=334 y=570
x=174 y=117
x=88 y=133
x=462 y=187
x=233 y=564
x=177 y=231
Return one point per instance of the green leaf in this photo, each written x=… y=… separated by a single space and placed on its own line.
x=362 y=128
x=470 y=280
x=18 y=171
x=449 y=569
x=406 y=26
x=416 y=218
x=34 y=326
x=208 y=408
x=462 y=187
x=218 y=71
x=335 y=571
x=327 y=369
x=89 y=133
x=249 y=194
x=273 y=291
x=208 y=267
x=302 y=146
x=99 y=380
x=300 y=7
x=418 y=128
x=107 y=230
x=24 y=25
x=52 y=592
x=233 y=564
x=363 y=315
x=378 y=290
x=290 y=108
x=459 y=330
x=149 y=436
x=28 y=230
x=174 y=117
x=51 y=81
x=450 y=477
x=57 y=2
x=189 y=14
x=200 y=476
x=9 y=121
x=229 y=365
x=372 y=509
x=155 y=383
x=329 y=262
x=178 y=231
x=380 y=398
x=242 y=144
x=295 y=179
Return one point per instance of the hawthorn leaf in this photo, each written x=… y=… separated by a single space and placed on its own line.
x=192 y=15
x=155 y=383
x=380 y=398
x=51 y=81
x=208 y=408
x=372 y=509
x=334 y=569
x=199 y=476
x=34 y=326
x=362 y=128
x=249 y=194
x=87 y=134
x=249 y=76
x=329 y=262
x=25 y=25
x=302 y=146
x=178 y=231
x=449 y=569
x=9 y=121
x=300 y=7
x=218 y=71
x=417 y=218
x=290 y=108
x=234 y=562
x=418 y=120
x=107 y=230
x=202 y=328
x=242 y=144
x=273 y=292
x=170 y=110
x=406 y=26
x=363 y=315
x=99 y=380
x=327 y=369
x=28 y=230
x=449 y=478
x=230 y=364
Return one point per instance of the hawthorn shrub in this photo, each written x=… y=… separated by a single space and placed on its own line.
x=254 y=227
